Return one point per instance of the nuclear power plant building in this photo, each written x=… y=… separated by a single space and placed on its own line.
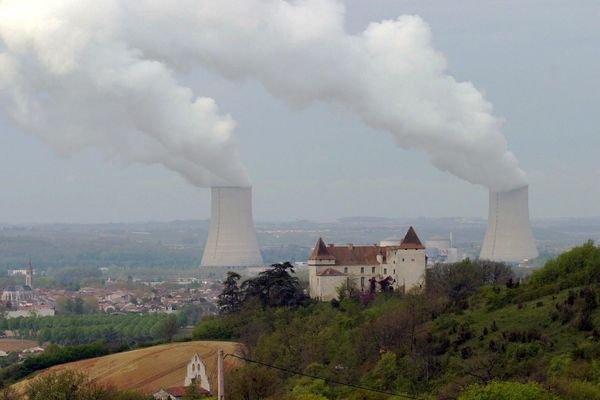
x=231 y=237
x=508 y=236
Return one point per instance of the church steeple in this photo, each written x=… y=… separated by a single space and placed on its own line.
x=29 y=275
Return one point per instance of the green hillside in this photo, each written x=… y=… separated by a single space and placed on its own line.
x=475 y=333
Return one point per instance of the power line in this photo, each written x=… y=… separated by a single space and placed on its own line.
x=289 y=371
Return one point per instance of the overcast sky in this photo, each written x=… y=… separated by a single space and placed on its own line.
x=538 y=62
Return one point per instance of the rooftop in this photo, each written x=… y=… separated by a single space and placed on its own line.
x=350 y=254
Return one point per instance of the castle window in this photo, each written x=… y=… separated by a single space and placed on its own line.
x=362 y=282
x=385 y=271
x=372 y=270
x=345 y=270
x=403 y=260
x=413 y=260
x=362 y=270
x=394 y=272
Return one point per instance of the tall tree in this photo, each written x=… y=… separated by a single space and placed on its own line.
x=230 y=299
x=168 y=327
x=275 y=287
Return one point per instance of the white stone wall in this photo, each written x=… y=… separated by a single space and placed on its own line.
x=327 y=286
x=409 y=266
x=406 y=267
x=196 y=370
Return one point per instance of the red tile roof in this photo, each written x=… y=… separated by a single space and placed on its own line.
x=362 y=255
x=411 y=241
x=320 y=252
x=330 y=272
x=180 y=391
x=356 y=255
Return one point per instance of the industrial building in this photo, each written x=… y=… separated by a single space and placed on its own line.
x=231 y=237
x=332 y=266
x=508 y=236
x=441 y=250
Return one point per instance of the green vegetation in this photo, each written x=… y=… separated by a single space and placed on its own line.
x=70 y=385
x=475 y=333
x=507 y=391
x=54 y=355
x=129 y=329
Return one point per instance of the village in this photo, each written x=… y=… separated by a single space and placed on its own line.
x=114 y=296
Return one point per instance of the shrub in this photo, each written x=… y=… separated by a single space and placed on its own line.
x=579 y=266
x=577 y=390
x=214 y=329
x=507 y=391
x=560 y=365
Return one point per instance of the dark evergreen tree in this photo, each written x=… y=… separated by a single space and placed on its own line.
x=275 y=287
x=230 y=299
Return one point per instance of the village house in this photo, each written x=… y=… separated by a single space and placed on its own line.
x=400 y=263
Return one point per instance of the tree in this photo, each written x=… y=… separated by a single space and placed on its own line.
x=507 y=391
x=275 y=287
x=230 y=299
x=90 y=305
x=386 y=284
x=64 y=305
x=494 y=272
x=168 y=327
x=78 y=305
x=72 y=385
x=458 y=281
x=251 y=383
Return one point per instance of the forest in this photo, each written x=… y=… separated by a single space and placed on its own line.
x=475 y=332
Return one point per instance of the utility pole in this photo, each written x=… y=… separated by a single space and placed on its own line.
x=220 y=376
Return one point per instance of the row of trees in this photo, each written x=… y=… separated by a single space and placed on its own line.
x=71 y=330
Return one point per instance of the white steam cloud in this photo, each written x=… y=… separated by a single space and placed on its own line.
x=69 y=74
x=98 y=73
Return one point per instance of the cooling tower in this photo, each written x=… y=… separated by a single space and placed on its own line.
x=508 y=236
x=232 y=238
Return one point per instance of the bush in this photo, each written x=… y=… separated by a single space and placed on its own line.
x=214 y=329
x=579 y=266
x=72 y=385
x=507 y=391
x=577 y=390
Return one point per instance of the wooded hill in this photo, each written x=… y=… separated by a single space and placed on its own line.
x=475 y=333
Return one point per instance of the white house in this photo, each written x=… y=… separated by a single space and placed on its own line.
x=402 y=263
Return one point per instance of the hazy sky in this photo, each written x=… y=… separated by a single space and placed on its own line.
x=538 y=62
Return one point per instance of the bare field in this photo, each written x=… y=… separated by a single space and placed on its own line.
x=150 y=369
x=9 y=345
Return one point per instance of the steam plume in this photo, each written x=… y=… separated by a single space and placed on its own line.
x=69 y=75
x=108 y=52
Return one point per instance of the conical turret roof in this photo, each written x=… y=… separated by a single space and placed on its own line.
x=411 y=240
x=320 y=252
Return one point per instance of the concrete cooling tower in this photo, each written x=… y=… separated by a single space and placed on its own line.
x=232 y=238
x=508 y=236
